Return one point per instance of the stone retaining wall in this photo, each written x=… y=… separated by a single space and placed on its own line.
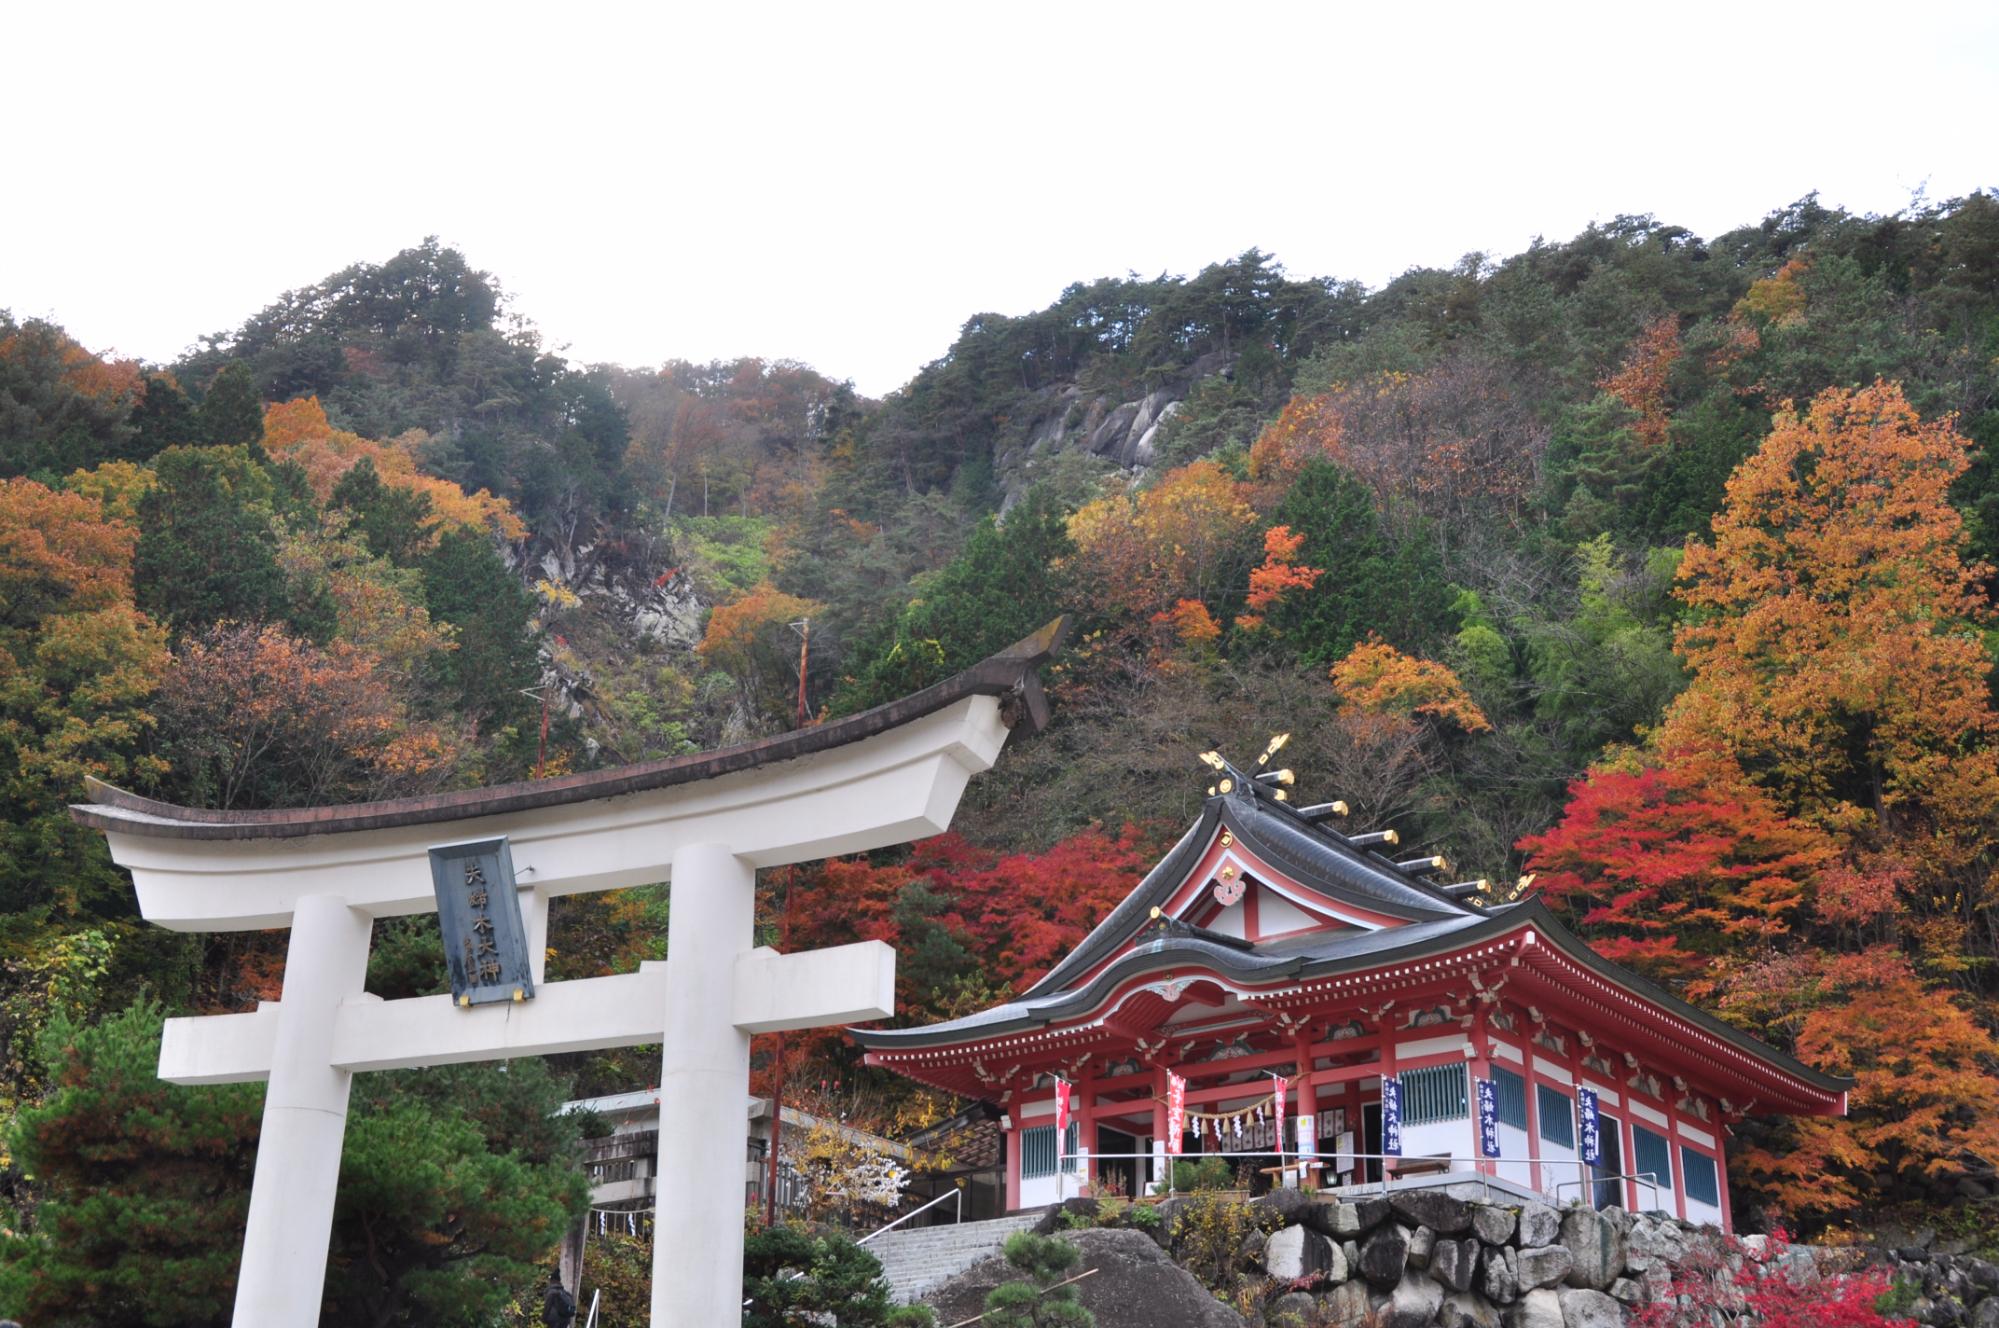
x=1420 y=1258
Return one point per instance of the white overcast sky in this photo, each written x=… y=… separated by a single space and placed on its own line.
x=846 y=184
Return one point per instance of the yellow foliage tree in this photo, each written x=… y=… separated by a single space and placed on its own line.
x=298 y=431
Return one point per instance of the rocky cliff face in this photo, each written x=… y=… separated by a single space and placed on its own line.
x=1070 y=417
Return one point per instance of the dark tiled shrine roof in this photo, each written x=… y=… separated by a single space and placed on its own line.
x=1432 y=923
x=1310 y=955
x=1321 y=954
x=1010 y=674
x=1275 y=832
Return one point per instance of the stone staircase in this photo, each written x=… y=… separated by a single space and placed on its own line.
x=916 y=1259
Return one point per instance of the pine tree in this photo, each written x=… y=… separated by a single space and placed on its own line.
x=232 y=414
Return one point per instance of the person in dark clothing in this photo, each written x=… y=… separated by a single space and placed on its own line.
x=558 y=1307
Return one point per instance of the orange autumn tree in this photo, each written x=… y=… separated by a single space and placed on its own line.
x=1278 y=575
x=1924 y=1096
x=1180 y=539
x=750 y=639
x=1641 y=383
x=298 y=431
x=1308 y=429
x=1833 y=641
x=1377 y=678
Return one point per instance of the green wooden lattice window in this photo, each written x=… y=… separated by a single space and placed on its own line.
x=1436 y=1094
x=1651 y=1156
x=1557 y=1112
x=1698 y=1171
x=1511 y=1090
x=1037 y=1151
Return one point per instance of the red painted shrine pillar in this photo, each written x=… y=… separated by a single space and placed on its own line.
x=1012 y=1164
x=1481 y=1068
x=1308 y=1097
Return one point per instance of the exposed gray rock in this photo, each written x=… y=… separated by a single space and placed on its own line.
x=1282 y=1207
x=1597 y=1247
x=1384 y=1256
x=1987 y=1313
x=1250 y=1252
x=1414 y=1304
x=1654 y=1238
x=1323 y=1217
x=1466 y=1311
x=1347 y=1305
x=1135 y=1286
x=1294 y=1309
x=1627 y=1292
x=1494 y=1225
x=1537 y=1309
x=1542 y=1267
x=1442 y=1213
x=1539 y=1225
x=1583 y=1308
x=1421 y=1241
x=1351 y=1248
x=1297 y=1251
x=1358 y=1217
x=1051 y=1221
x=1455 y=1262
x=1497 y=1275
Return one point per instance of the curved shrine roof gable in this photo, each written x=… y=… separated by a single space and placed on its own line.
x=1316 y=859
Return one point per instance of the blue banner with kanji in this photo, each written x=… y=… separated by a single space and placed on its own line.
x=1488 y=1118
x=1391 y=1116
x=1589 y=1126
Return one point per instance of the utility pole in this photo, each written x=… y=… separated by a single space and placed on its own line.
x=804 y=629
x=540 y=693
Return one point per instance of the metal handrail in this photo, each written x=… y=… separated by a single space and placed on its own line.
x=953 y=1193
x=591 y=1322
x=1649 y=1178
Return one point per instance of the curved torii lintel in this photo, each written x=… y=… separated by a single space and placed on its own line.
x=885 y=776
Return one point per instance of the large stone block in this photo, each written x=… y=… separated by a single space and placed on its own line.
x=1414 y=1304
x=1282 y=1207
x=1347 y=1305
x=1466 y=1311
x=1421 y=1241
x=1583 y=1308
x=1455 y=1262
x=1537 y=1309
x=1542 y=1267
x=1358 y=1217
x=1384 y=1256
x=1292 y=1310
x=1297 y=1251
x=1444 y=1214
x=1497 y=1276
x=1493 y=1224
x=1597 y=1246
x=1539 y=1224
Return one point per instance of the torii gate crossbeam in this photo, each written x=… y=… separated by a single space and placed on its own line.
x=704 y=823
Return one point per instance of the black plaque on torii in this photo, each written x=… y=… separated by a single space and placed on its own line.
x=479 y=915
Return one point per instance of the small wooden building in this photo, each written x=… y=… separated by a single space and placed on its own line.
x=1268 y=950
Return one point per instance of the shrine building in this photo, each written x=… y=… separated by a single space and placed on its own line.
x=1270 y=949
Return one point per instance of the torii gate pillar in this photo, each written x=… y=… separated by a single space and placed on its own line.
x=704 y=1067
x=305 y=1118
x=704 y=823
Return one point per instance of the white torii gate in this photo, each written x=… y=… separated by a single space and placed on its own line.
x=705 y=823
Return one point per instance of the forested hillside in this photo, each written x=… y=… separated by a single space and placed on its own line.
x=1653 y=566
